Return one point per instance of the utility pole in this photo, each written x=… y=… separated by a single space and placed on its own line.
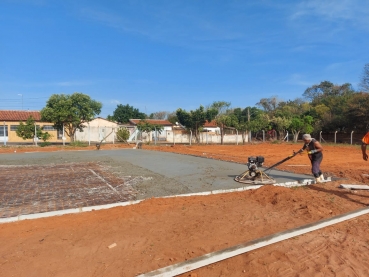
x=248 y=119
x=22 y=99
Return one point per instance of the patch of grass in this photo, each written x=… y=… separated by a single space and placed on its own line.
x=78 y=143
x=45 y=143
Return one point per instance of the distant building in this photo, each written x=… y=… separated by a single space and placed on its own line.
x=168 y=126
x=10 y=120
x=211 y=127
x=97 y=130
x=164 y=135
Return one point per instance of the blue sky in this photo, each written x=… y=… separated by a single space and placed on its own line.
x=166 y=54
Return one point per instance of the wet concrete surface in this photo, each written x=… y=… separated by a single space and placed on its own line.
x=49 y=181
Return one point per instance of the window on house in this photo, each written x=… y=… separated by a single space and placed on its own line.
x=48 y=128
x=13 y=127
x=2 y=130
x=60 y=134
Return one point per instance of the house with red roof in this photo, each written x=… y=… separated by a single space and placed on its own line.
x=165 y=135
x=10 y=120
x=165 y=123
x=211 y=127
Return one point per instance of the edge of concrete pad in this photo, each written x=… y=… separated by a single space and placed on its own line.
x=210 y=258
x=127 y=203
x=67 y=211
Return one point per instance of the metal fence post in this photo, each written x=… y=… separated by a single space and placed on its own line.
x=4 y=135
x=155 y=135
x=35 y=137
x=351 y=136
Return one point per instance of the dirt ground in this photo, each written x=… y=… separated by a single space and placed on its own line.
x=163 y=231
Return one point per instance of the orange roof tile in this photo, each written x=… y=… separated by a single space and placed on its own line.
x=210 y=124
x=8 y=115
x=152 y=121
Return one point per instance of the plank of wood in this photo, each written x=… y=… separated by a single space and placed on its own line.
x=347 y=186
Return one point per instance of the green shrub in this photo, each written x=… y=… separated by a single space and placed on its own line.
x=122 y=134
x=45 y=143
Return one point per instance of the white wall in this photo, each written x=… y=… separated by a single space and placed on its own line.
x=97 y=130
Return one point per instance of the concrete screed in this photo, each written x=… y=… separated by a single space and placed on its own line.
x=37 y=182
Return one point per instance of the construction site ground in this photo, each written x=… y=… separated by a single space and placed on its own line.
x=159 y=232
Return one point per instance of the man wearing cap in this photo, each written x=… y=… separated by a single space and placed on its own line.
x=314 y=150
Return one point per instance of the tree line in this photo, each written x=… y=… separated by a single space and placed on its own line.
x=323 y=107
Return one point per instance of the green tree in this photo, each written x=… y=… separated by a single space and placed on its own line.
x=357 y=111
x=281 y=124
x=269 y=105
x=301 y=124
x=222 y=118
x=159 y=115
x=225 y=120
x=45 y=136
x=333 y=97
x=27 y=130
x=70 y=111
x=122 y=134
x=195 y=120
x=172 y=117
x=259 y=122
x=250 y=119
x=146 y=127
x=123 y=114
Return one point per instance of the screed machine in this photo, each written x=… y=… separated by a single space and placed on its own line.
x=256 y=176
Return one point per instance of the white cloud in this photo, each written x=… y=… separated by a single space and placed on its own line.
x=354 y=11
x=115 y=102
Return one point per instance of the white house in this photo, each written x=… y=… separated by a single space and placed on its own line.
x=97 y=130
x=165 y=134
x=211 y=127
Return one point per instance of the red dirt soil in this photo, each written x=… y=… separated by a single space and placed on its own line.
x=160 y=232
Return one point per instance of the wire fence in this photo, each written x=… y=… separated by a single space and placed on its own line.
x=108 y=134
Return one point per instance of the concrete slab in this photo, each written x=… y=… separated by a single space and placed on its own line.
x=45 y=182
x=44 y=188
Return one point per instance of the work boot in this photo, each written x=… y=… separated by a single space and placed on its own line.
x=319 y=179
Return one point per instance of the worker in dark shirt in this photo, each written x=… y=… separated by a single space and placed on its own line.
x=314 y=150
